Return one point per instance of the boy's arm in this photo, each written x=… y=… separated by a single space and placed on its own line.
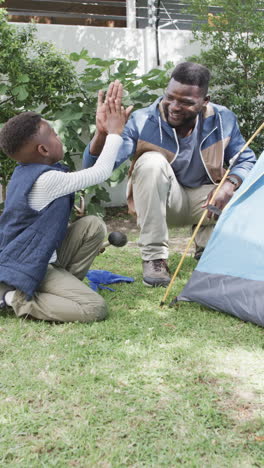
x=54 y=184
x=115 y=93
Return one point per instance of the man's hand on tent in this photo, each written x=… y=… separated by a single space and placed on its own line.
x=223 y=196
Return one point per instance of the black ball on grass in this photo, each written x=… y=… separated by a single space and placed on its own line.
x=118 y=239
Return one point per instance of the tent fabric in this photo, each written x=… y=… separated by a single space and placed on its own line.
x=230 y=274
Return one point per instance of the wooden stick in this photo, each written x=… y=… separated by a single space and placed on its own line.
x=205 y=214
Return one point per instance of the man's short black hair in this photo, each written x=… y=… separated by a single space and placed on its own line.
x=191 y=73
x=19 y=130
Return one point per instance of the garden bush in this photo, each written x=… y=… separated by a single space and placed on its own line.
x=232 y=34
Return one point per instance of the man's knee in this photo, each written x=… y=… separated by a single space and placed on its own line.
x=151 y=162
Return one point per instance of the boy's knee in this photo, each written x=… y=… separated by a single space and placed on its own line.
x=94 y=226
x=101 y=311
x=97 y=311
x=99 y=227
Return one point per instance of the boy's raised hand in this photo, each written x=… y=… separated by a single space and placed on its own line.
x=114 y=93
x=115 y=115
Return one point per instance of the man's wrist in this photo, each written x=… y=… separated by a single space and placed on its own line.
x=234 y=180
x=100 y=133
x=97 y=143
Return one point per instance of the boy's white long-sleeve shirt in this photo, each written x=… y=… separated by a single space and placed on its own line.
x=55 y=184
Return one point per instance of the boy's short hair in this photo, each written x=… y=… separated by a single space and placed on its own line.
x=192 y=74
x=18 y=131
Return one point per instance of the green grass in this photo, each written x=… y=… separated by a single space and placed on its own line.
x=149 y=387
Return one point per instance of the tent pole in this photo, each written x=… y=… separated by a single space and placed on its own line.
x=205 y=213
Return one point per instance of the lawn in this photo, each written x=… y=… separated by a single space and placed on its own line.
x=149 y=387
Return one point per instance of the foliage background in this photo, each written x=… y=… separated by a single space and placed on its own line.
x=232 y=48
x=34 y=75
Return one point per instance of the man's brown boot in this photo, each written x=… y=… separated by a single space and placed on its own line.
x=156 y=273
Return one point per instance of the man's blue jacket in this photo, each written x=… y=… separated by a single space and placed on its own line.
x=219 y=141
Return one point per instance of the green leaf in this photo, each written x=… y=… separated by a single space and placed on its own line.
x=68 y=115
x=23 y=78
x=3 y=88
x=84 y=54
x=74 y=57
x=94 y=208
x=118 y=175
x=102 y=194
x=20 y=92
x=127 y=66
x=100 y=62
x=93 y=86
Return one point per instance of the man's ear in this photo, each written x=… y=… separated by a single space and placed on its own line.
x=206 y=99
x=43 y=150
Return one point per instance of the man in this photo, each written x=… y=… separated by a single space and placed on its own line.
x=180 y=144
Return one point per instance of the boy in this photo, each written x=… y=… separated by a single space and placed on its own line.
x=43 y=260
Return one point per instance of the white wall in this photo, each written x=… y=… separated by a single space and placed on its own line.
x=176 y=45
x=105 y=43
x=126 y=43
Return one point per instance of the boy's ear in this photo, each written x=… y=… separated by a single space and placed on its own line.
x=43 y=150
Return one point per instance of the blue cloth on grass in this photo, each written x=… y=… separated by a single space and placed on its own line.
x=98 y=277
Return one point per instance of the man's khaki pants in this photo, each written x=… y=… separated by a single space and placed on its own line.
x=161 y=201
x=62 y=296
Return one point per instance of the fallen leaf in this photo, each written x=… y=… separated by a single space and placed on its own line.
x=169 y=325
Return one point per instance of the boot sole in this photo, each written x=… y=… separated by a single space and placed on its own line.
x=159 y=285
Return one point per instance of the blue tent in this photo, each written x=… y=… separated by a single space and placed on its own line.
x=230 y=274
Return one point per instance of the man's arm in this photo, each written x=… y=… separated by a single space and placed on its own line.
x=97 y=143
x=238 y=172
x=246 y=160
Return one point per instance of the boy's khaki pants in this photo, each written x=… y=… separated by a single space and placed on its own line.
x=62 y=296
x=161 y=201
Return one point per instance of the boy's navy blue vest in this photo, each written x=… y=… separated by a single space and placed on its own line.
x=29 y=237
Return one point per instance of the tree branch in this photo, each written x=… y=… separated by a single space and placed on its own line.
x=9 y=99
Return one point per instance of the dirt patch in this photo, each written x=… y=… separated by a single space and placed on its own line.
x=118 y=219
x=246 y=369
